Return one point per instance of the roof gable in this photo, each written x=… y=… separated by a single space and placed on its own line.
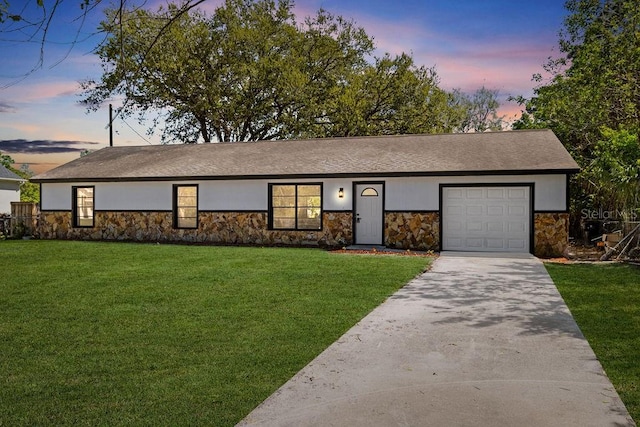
x=6 y=174
x=404 y=155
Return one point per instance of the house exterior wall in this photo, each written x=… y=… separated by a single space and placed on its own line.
x=9 y=192
x=402 y=194
x=223 y=196
x=236 y=211
x=422 y=193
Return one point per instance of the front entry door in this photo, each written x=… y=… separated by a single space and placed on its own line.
x=368 y=213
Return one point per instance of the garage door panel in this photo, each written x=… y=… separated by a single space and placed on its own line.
x=516 y=227
x=494 y=210
x=495 y=193
x=495 y=226
x=475 y=193
x=455 y=193
x=475 y=226
x=454 y=226
x=517 y=244
x=474 y=243
x=454 y=210
x=517 y=194
x=454 y=244
x=490 y=218
x=473 y=210
x=495 y=243
x=517 y=210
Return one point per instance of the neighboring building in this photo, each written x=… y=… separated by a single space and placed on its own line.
x=501 y=191
x=9 y=189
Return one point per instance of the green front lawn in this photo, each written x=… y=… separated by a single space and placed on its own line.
x=605 y=302
x=132 y=334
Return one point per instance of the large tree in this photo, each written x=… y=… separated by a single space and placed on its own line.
x=592 y=98
x=250 y=72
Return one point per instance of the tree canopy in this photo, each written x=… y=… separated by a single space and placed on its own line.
x=592 y=98
x=478 y=111
x=251 y=71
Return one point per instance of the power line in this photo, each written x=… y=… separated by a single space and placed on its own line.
x=136 y=132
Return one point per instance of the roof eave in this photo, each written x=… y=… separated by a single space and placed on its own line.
x=563 y=171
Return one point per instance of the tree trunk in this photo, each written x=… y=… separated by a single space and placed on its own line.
x=204 y=130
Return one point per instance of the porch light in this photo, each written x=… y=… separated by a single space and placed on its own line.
x=341 y=193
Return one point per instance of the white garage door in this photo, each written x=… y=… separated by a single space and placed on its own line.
x=486 y=219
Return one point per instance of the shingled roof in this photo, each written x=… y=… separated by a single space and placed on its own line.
x=7 y=174
x=512 y=152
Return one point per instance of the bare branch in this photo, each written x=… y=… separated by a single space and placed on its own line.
x=28 y=30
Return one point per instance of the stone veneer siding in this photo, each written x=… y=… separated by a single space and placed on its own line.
x=551 y=234
x=403 y=230
x=412 y=230
x=243 y=228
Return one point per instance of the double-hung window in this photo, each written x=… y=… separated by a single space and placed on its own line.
x=295 y=206
x=83 y=198
x=185 y=206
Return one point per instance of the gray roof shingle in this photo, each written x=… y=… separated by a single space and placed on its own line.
x=7 y=174
x=531 y=151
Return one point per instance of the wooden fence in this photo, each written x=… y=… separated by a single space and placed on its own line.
x=24 y=219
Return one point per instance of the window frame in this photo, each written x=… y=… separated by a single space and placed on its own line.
x=369 y=195
x=176 y=218
x=75 y=208
x=295 y=185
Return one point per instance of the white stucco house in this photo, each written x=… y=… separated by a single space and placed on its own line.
x=9 y=189
x=501 y=191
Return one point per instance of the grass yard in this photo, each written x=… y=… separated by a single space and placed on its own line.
x=605 y=301
x=142 y=334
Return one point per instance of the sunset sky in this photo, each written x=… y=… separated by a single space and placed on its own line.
x=496 y=43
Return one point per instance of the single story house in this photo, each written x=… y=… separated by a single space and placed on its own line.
x=499 y=191
x=9 y=189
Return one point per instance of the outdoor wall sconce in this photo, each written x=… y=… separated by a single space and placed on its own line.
x=341 y=193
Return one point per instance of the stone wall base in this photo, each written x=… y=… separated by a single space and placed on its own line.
x=402 y=230
x=239 y=228
x=412 y=230
x=551 y=234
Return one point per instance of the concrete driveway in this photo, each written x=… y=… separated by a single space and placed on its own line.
x=480 y=340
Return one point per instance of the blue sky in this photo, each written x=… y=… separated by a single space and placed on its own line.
x=496 y=43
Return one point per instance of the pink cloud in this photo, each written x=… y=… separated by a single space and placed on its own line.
x=393 y=37
x=462 y=62
x=497 y=70
x=38 y=92
x=39 y=163
x=510 y=111
x=24 y=128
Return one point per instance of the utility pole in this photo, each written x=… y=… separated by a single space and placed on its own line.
x=110 y=125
